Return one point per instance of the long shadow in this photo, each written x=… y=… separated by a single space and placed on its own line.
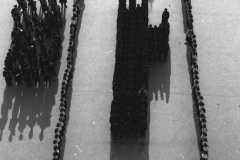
x=32 y=106
x=184 y=17
x=151 y=3
x=70 y=88
x=159 y=79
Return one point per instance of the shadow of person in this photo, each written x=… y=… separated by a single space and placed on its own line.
x=151 y=3
x=43 y=119
x=70 y=89
x=8 y=96
x=159 y=79
x=44 y=115
x=35 y=110
x=184 y=17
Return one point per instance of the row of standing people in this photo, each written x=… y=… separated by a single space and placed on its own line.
x=67 y=78
x=22 y=60
x=197 y=97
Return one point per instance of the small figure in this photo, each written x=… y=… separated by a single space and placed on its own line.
x=165 y=16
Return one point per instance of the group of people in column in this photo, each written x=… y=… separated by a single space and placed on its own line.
x=28 y=57
x=157 y=38
x=128 y=115
x=67 y=78
x=197 y=97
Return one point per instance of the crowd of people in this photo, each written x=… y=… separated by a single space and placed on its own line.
x=157 y=38
x=67 y=78
x=137 y=45
x=197 y=97
x=28 y=57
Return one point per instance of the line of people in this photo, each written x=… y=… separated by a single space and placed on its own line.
x=67 y=78
x=197 y=97
x=128 y=116
x=23 y=62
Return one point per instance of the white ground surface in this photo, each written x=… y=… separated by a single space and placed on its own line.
x=172 y=134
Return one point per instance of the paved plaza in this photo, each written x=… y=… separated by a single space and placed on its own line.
x=172 y=133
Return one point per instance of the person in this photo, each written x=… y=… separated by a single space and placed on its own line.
x=8 y=79
x=165 y=16
x=47 y=30
x=38 y=32
x=36 y=77
x=27 y=78
x=33 y=8
x=188 y=40
x=28 y=22
x=52 y=68
x=45 y=8
x=16 y=14
x=7 y=76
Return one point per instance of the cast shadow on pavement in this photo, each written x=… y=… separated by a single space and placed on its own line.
x=151 y=3
x=70 y=88
x=159 y=79
x=32 y=106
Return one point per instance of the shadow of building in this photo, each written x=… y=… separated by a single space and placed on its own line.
x=151 y=3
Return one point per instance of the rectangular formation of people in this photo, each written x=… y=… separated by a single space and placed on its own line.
x=31 y=32
x=137 y=45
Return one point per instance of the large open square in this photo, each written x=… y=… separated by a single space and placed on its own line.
x=172 y=132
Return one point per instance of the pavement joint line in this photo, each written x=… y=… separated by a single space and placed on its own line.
x=79 y=148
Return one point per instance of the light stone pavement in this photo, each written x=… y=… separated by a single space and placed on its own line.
x=172 y=132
